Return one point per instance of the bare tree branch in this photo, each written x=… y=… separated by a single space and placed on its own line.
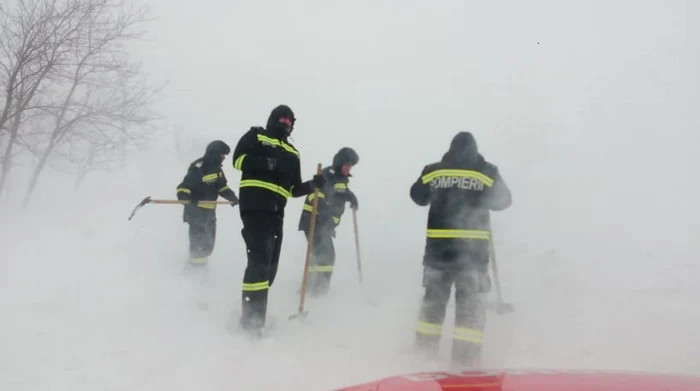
x=103 y=92
x=36 y=35
x=70 y=95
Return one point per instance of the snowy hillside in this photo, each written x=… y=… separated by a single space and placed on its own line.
x=587 y=109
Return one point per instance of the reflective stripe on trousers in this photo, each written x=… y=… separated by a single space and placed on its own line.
x=256 y=286
x=465 y=334
x=320 y=269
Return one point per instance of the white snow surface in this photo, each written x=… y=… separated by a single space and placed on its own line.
x=594 y=129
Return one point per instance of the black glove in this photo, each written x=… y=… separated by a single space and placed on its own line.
x=234 y=201
x=353 y=201
x=318 y=181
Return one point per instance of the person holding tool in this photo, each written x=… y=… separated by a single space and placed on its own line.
x=331 y=206
x=271 y=174
x=461 y=190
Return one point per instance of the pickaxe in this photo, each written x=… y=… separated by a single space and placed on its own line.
x=149 y=200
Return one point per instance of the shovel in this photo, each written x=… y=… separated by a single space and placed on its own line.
x=301 y=313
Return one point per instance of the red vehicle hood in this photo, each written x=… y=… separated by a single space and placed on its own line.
x=532 y=380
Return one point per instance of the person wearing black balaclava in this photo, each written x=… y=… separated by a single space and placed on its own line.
x=461 y=190
x=204 y=181
x=271 y=174
x=331 y=206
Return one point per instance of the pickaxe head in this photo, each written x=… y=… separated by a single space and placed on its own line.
x=140 y=204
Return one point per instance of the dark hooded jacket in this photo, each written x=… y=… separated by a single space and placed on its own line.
x=332 y=197
x=205 y=180
x=270 y=166
x=461 y=190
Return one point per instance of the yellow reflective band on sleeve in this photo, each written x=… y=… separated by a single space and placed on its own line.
x=486 y=180
x=210 y=178
x=238 y=163
x=207 y=205
x=224 y=188
x=427 y=328
x=256 y=286
x=312 y=196
x=336 y=219
x=321 y=269
x=308 y=208
x=458 y=234
x=340 y=186
x=266 y=185
x=184 y=190
x=274 y=141
x=467 y=334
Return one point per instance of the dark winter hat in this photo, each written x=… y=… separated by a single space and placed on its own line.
x=218 y=147
x=279 y=112
x=464 y=143
x=345 y=155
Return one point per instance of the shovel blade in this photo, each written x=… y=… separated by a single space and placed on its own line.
x=299 y=315
x=504 y=308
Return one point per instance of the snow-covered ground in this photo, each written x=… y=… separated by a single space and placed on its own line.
x=92 y=301
x=594 y=129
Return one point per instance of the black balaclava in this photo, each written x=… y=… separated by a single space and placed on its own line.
x=274 y=127
x=463 y=149
x=214 y=151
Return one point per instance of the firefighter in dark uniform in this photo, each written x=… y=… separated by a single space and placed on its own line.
x=204 y=181
x=331 y=206
x=461 y=190
x=271 y=174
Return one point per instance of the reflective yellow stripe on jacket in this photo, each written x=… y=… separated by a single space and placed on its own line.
x=210 y=178
x=458 y=234
x=310 y=208
x=485 y=179
x=274 y=141
x=266 y=185
x=238 y=164
x=312 y=196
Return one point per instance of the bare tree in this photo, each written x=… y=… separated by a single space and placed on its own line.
x=35 y=37
x=177 y=134
x=100 y=90
x=100 y=147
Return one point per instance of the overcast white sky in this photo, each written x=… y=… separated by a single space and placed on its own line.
x=609 y=81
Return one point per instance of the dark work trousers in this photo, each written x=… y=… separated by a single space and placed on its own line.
x=262 y=233
x=322 y=261
x=471 y=286
x=202 y=234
